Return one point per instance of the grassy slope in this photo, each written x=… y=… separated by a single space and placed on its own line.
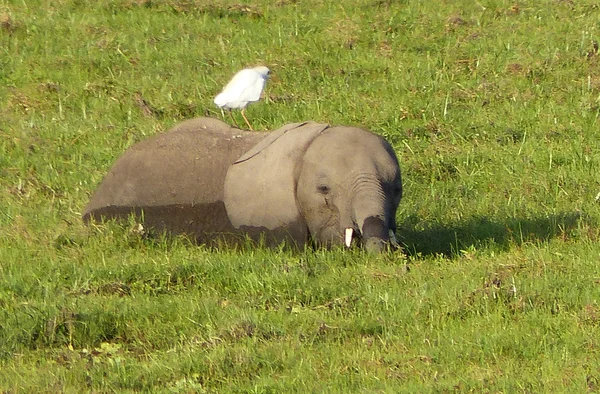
x=492 y=107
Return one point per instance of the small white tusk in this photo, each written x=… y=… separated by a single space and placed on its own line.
x=348 y=237
x=393 y=239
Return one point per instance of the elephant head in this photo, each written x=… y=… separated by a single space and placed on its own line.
x=331 y=183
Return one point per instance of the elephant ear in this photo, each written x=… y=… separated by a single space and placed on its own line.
x=260 y=186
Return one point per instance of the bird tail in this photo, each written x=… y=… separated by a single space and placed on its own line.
x=220 y=100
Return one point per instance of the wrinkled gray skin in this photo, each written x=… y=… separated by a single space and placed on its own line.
x=301 y=184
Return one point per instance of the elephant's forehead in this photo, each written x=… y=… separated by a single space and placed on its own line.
x=352 y=139
x=353 y=149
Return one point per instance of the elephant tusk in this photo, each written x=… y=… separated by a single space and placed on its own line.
x=348 y=237
x=393 y=239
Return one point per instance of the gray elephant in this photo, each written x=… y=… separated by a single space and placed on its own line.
x=303 y=184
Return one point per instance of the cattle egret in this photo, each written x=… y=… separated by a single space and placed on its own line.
x=245 y=87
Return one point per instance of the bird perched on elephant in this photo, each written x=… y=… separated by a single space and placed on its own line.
x=244 y=88
x=303 y=184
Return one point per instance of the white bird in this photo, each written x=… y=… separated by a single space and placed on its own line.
x=244 y=88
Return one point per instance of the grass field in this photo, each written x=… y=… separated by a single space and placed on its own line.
x=492 y=107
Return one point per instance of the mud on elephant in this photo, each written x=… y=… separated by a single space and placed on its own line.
x=303 y=184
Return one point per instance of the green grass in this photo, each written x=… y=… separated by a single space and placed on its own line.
x=491 y=106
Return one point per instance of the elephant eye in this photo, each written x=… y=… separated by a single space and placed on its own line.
x=323 y=189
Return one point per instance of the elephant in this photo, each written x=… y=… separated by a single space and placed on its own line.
x=306 y=184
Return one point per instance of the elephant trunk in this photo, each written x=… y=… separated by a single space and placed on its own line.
x=370 y=214
x=375 y=234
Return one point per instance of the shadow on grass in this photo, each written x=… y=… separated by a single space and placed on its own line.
x=422 y=238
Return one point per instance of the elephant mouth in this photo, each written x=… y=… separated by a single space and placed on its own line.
x=332 y=234
x=350 y=234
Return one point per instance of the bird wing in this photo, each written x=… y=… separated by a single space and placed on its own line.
x=247 y=85
x=254 y=91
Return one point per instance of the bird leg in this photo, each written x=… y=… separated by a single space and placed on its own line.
x=246 y=119
x=233 y=119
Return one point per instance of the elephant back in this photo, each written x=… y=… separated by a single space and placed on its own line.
x=173 y=176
